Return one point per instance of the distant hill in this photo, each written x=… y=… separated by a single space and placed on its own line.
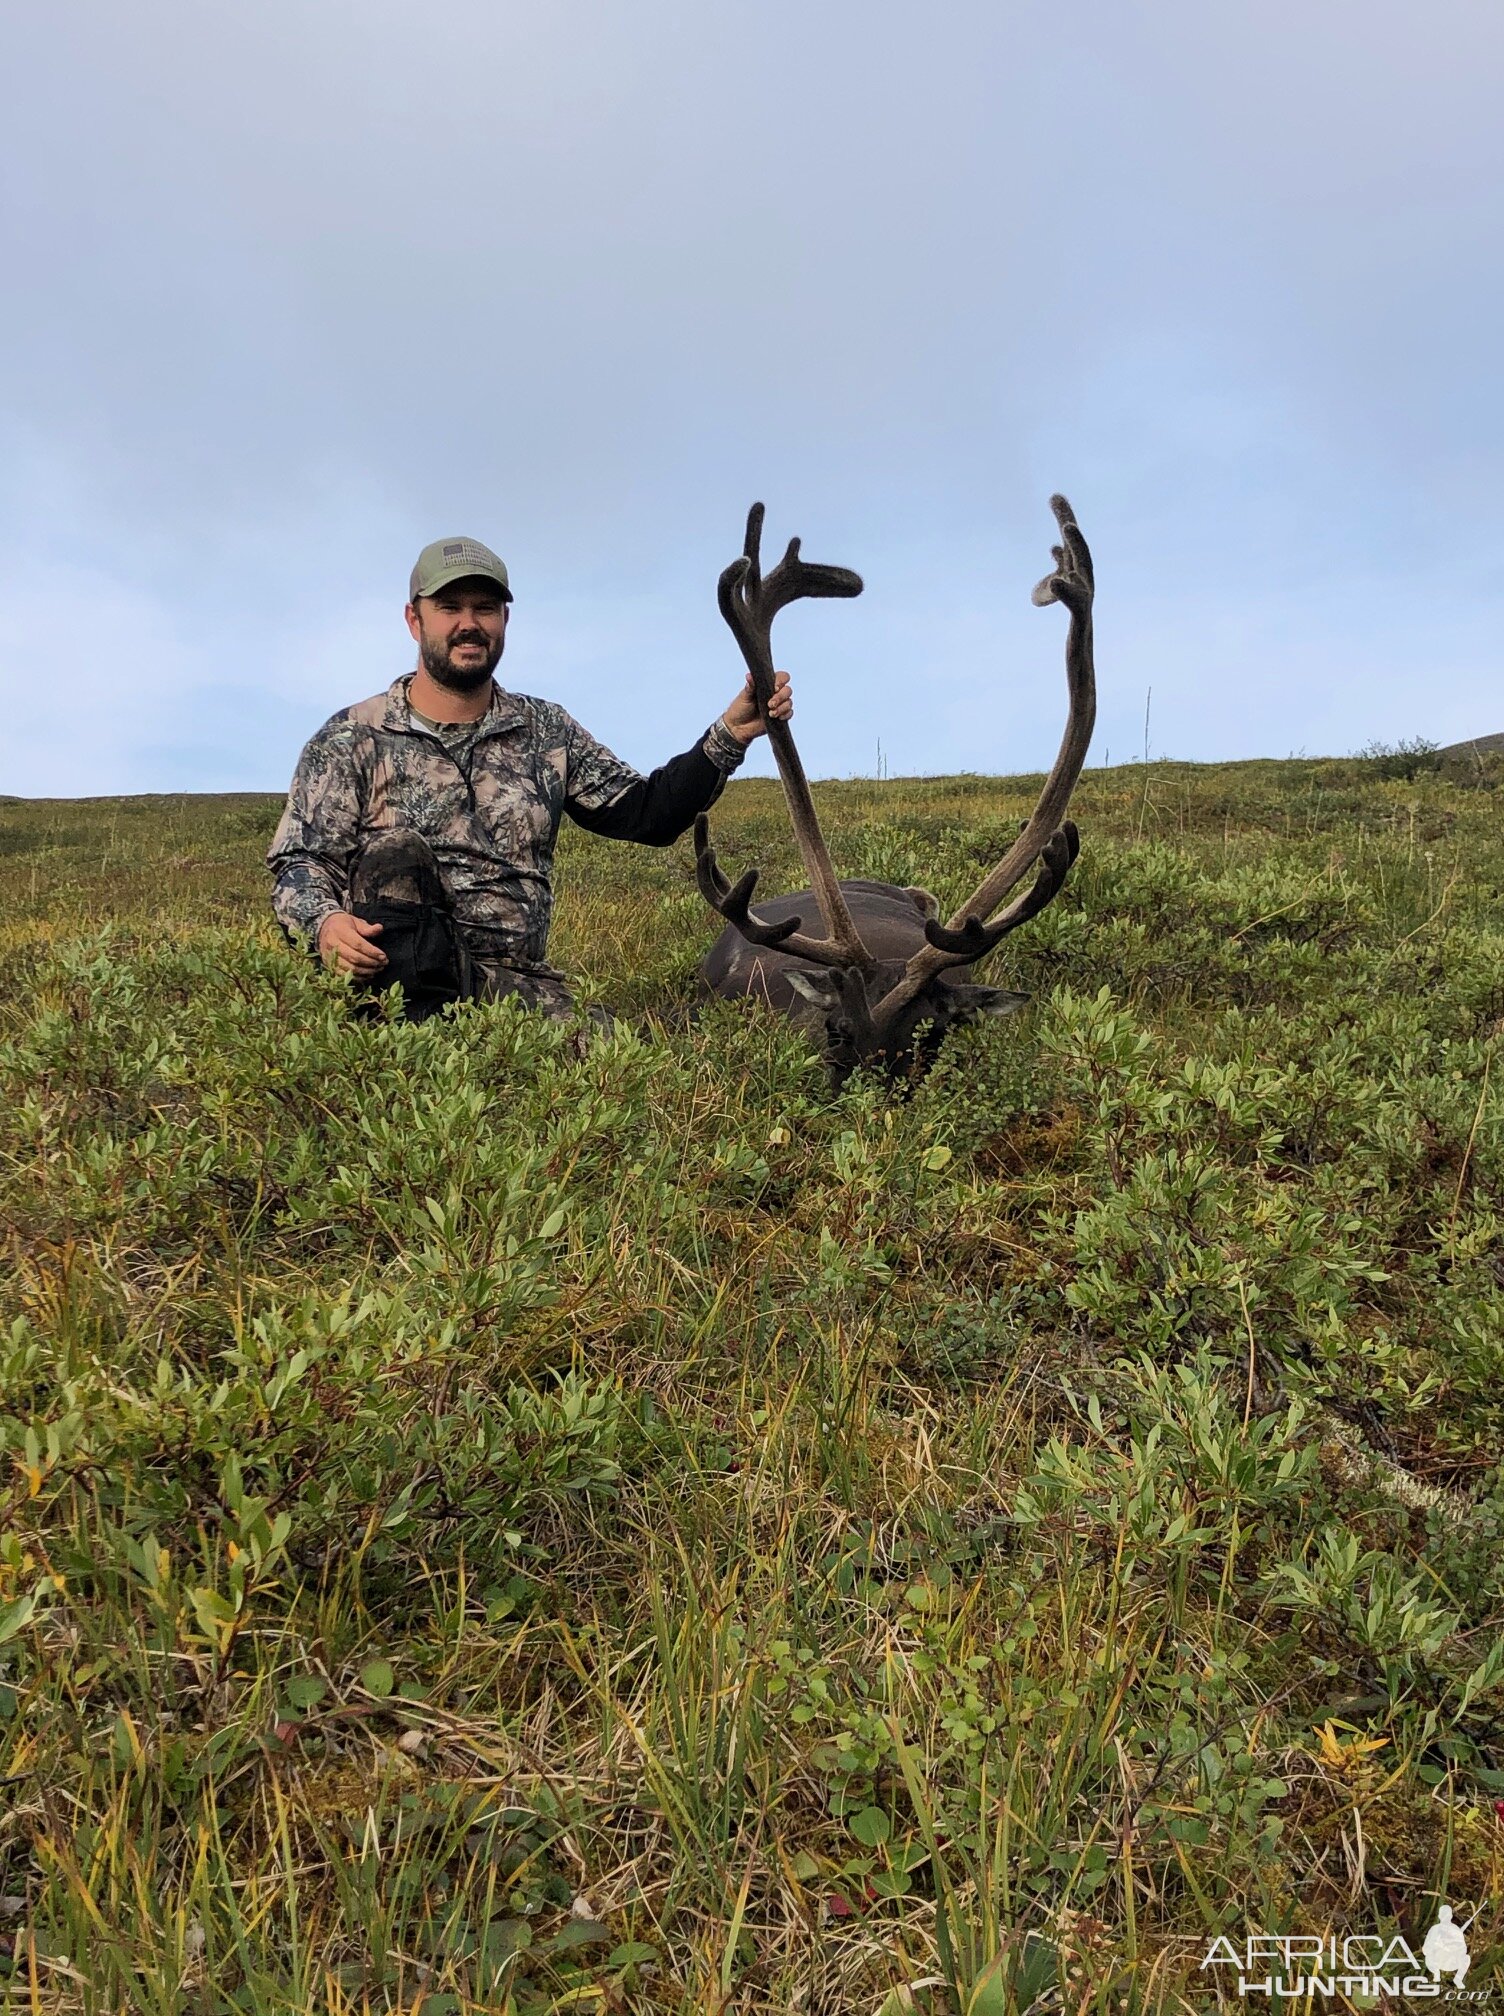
x=1480 y=745
x=1478 y=761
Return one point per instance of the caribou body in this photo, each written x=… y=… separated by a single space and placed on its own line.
x=836 y=1002
x=888 y=978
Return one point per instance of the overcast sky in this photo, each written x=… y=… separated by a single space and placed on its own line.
x=295 y=288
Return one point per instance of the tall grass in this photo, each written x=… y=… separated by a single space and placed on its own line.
x=490 y=1521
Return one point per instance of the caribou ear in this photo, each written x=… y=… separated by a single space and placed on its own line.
x=986 y=1001
x=927 y=904
x=821 y=990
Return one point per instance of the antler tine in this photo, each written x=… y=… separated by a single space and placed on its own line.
x=752 y=543
x=795 y=579
x=1072 y=581
x=749 y=602
x=733 y=901
x=975 y=939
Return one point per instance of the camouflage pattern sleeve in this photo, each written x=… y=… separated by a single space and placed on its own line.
x=593 y=775
x=725 y=750
x=318 y=832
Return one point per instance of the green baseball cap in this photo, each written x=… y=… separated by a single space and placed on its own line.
x=449 y=560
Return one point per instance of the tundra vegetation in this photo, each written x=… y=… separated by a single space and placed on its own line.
x=496 y=1522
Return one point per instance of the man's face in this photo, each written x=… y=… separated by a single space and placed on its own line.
x=460 y=632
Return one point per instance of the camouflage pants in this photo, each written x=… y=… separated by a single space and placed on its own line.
x=397 y=883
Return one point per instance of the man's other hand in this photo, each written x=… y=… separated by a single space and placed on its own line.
x=345 y=944
x=742 y=717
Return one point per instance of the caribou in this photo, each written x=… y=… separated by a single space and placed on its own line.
x=888 y=979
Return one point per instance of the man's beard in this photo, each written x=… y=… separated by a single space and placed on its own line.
x=440 y=666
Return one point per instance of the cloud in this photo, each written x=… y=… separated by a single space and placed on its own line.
x=303 y=287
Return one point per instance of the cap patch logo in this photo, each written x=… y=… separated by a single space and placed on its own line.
x=455 y=552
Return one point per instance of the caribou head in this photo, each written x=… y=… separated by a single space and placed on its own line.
x=888 y=978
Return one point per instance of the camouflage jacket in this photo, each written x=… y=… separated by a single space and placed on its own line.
x=489 y=808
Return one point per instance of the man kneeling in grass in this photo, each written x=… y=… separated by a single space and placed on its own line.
x=417 y=844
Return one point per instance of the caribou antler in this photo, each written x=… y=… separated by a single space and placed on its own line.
x=975 y=940
x=733 y=899
x=749 y=602
x=1044 y=834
